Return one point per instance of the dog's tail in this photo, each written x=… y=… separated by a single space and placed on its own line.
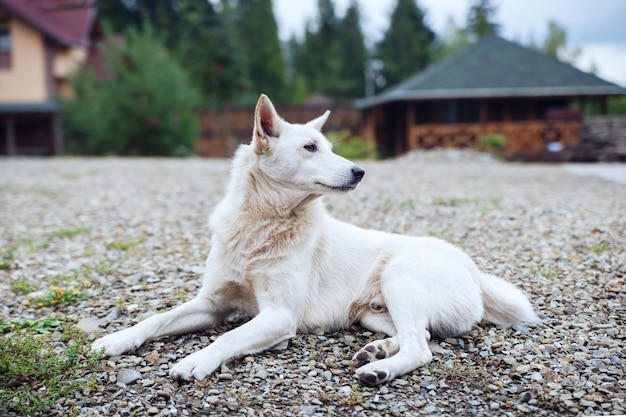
x=504 y=303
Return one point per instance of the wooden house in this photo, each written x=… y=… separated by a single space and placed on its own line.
x=492 y=87
x=42 y=42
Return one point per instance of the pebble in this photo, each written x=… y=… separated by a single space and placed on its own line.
x=128 y=376
x=528 y=223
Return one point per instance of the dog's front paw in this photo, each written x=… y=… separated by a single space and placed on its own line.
x=196 y=365
x=118 y=342
x=374 y=351
x=371 y=377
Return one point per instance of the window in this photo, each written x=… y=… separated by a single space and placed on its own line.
x=447 y=112
x=5 y=42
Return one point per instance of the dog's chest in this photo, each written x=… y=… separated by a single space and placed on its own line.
x=247 y=241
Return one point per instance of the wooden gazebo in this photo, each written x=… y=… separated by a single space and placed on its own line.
x=492 y=87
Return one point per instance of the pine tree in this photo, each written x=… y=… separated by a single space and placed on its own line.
x=480 y=19
x=257 y=33
x=353 y=53
x=406 y=45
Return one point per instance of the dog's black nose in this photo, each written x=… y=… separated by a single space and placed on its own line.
x=357 y=172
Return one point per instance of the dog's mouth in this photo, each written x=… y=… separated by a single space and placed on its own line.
x=340 y=188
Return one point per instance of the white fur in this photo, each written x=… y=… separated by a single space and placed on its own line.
x=277 y=255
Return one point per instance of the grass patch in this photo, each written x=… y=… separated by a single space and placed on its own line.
x=475 y=374
x=453 y=201
x=494 y=204
x=408 y=203
x=7 y=257
x=548 y=271
x=35 y=373
x=22 y=286
x=70 y=232
x=42 y=326
x=63 y=292
x=124 y=244
x=601 y=247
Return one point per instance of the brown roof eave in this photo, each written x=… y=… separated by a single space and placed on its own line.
x=21 y=11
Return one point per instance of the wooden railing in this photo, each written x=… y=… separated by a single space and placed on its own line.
x=527 y=136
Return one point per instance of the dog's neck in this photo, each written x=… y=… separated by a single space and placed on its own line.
x=259 y=196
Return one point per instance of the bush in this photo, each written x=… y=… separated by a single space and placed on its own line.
x=493 y=141
x=142 y=105
x=351 y=147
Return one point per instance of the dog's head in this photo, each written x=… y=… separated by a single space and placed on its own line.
x=298 y=156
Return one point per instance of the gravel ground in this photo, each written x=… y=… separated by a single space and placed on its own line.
x=135 y=231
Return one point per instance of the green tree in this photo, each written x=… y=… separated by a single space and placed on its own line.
x=453 y=40
x=353 y=53
x=406 y=45
x=555 y=44
x=320 y=62
x=144 y=105
x=257 y=33
x=480 y=19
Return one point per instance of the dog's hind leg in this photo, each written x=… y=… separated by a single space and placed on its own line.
x=194 y=315
x=378 y=349
x=408 y=302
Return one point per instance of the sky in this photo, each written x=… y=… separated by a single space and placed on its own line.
x=596 y=27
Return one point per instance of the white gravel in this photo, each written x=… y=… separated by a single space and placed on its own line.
x=141 y=239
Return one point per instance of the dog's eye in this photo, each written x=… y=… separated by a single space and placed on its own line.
x=311 y=147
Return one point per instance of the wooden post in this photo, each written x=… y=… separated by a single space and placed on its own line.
x=410 y=121
x=57 y=134
x=10 y=133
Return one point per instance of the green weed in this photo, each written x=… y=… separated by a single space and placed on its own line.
x=7 y=257
x=42 y=326
x=35 y=373
x=452 y=201
x=124 y=244
x=70 y=232
x=64 y=291
x=476 y=374
x=494 y=204
x=22 y=286
x=408 y=203
x=600 y=247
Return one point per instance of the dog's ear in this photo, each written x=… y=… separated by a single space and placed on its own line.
x=319 y=122
x=266 y=124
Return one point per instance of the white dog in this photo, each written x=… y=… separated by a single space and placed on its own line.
x=278 y=256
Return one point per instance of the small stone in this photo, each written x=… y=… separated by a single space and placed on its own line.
x=225 y=377
x=128 y=376
x=280 y=347
x=494 y=406
x=164 y=394
x=153 y=410
x=522 y=369
x=261 y=374
x=524 y=397
x=89 y=325
x=309 y=409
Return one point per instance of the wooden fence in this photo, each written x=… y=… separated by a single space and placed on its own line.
x=223 y=130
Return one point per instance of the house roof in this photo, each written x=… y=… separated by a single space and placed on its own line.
x=68 y=22
x=495 y=67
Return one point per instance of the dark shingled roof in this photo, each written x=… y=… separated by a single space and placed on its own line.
x=495 y=67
